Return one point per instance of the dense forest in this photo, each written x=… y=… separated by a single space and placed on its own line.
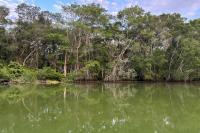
x=86 y=42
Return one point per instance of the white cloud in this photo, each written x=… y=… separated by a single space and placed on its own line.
x=131 y=3
x=11 y=4
x=186 y=7
x=114 y=4
x=104 y=3
x=58 y=6
x=114 y=13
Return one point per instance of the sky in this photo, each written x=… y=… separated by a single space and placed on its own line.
x=188 y=8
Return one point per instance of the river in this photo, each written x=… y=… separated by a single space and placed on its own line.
x=100 y=108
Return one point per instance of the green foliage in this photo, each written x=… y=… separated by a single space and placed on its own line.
x=4 y=12
x=72 y=76
x=12 y=71
x=93 y=66
x=142 y=67
x=159 y=62
x=57 y=37
x=151 y=68
x=4 y=73
x=48 y=73
x=15 y=69
x=28 y=75
x=93 y=44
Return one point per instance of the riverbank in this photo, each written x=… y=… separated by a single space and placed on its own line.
x=56 y=82
x=14 y=73
x=45 y=82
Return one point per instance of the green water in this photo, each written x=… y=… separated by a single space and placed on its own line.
x=100 y=108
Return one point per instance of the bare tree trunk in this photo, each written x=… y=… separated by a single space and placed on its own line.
x=77 y=58
x=169 y=68
x=113 y=75
x=24 y=62
x=102 y=73
x=65 y=65
x=37 y=58
x=77 y=53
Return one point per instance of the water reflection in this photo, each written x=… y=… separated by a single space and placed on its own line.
x=100 y=108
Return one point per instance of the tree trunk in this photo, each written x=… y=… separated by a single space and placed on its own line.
x=65 y=65
x=77 y=58
x=113 y=76
x=24 y=62
x=77 y=52
x=169 y=68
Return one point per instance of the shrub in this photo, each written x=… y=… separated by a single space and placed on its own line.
x=28 y=75
x=93 y=67
x=74 y=75
x=48 y=73
x=1 y=65
x=4 y=73
x=15 y=70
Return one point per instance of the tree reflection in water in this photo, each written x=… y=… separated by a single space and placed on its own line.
x=108 y=108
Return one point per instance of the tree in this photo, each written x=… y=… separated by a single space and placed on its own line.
x=88 y=43
x=4 y=12
x=86 y=23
